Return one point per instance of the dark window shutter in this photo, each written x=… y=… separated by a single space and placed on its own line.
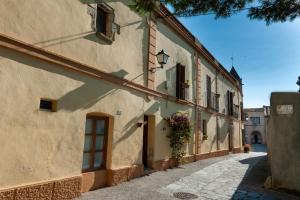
x=180 y=81
x=208 y=89
x=178 y=78
x=101 y=20
x=231 y=102
x=228 y=102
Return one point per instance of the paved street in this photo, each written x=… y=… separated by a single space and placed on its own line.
x=239 y=176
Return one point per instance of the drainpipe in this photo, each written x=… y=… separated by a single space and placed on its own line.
x=217 y=117
x=196 y=105
x=239 y=119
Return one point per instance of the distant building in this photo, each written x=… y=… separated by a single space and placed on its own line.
x=256 y=125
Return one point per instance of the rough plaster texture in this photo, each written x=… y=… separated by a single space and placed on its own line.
x=283 y=142
x=65 y=189
x=58 y=137
x=43 y=146
x=63 y=27
x=179 y=52
x=7 y=195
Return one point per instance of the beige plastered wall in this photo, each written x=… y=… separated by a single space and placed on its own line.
x=64 y=27
x=165 y=81
x=49 y=145
x=218 y=127
x=179 y=52
x=39 y=145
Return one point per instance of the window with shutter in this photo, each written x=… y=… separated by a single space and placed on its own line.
x=103 y=22
x=229 y=103
x=180 y=81
x=208 y=91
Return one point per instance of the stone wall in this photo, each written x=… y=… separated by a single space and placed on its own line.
x=284 y=139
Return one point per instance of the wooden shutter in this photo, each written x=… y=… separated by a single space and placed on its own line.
x=180 y=81
x=230 y=103
x=208 y=89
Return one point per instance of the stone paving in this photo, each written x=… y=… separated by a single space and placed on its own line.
x=238 y=176
x=219 y=181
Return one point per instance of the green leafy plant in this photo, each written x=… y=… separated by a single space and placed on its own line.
x=144 y=7
x=267 y=10
x=181 y=132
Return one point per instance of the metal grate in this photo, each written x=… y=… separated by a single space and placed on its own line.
x=184 y=195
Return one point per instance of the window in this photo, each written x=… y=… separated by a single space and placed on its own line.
x=95 y=143
x=255 y=120
x=48 y=105
x=230 y=103
x=204 y=130
x=103 y=22
x=181 y=85
x=208 y=91
x=217 y=108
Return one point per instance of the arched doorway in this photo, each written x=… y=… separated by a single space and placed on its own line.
x=256 y=137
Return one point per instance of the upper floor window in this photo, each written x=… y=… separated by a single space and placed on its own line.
x=230 y=106
x=103 y=22
x=208 y=92
x=181 y=84
x=255 y=120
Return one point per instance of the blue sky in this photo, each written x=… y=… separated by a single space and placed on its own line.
x=266 y=57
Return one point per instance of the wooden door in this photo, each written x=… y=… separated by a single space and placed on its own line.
x=145 y=142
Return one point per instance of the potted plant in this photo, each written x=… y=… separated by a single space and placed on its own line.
x=180 y=134
x=247 y=148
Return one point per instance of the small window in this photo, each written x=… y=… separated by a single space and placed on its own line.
x=204 y=130
x=181 y=84
x=48 y=105
x=101 y=20
x=255 y=120
x=105 y=25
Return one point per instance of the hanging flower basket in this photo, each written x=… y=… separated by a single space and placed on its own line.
x=180 y=134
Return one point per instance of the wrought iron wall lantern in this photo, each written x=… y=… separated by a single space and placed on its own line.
x=162 y=59
x=298 y=83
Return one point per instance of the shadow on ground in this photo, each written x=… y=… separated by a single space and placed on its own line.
x=252 y=185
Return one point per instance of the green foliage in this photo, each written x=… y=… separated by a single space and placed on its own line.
x=144 y=7
x=268 y=10
x=181 y=132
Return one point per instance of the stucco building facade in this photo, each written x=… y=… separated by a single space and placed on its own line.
x=256 y=125
x=84 y=106
x=283 y=141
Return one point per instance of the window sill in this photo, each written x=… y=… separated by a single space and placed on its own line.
x=93 y=170
x=105 y=38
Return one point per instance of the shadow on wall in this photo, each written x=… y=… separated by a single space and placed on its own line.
x=169 y=86
x=143 y=24
x=132 y=126
x=63 y=39
x=85 y=96
x=208 y=118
